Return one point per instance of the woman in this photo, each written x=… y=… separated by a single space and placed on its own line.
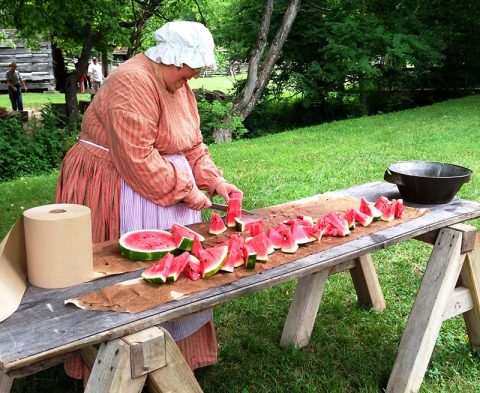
x=140 y=162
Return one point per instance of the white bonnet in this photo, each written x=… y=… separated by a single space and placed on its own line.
x=181 y=43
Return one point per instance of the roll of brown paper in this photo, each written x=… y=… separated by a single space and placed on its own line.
x=58 y=242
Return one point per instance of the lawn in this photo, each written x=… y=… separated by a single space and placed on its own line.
x=351 y=349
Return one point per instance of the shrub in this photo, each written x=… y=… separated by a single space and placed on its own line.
x=38 y=148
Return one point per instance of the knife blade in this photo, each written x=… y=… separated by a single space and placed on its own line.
x=223 y=208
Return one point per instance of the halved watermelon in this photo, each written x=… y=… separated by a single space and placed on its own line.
x=234 y=208
x=241 y=223
x=196 y=247
x=183 y=237
x=193 y=270
x=178 y=265
x=217 y=226
x=274 y=237
x=158 y=272
x=212 y=259
x=235 y=254
x=350 y=217
x=260 y=244
x=249 y=256
x=146 y=244
x=368 y=208
x=362 y=218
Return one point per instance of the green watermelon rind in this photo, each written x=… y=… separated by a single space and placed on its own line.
x=186 y=243
x=218 y=265
x=141 y=255
x=154 y=279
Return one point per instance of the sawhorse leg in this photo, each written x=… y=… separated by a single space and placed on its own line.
x=125 y=364
x=308 y=295
x=439 y=299
x=5 y=383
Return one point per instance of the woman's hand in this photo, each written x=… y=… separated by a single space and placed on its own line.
x=226 y=189
x=197 y=200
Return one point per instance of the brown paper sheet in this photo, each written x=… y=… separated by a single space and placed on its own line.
x=137 y=295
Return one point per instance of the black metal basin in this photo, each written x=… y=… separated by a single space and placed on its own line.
x=427 y=182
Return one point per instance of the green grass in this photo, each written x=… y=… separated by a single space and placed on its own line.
x=34 y=101
x=351 y=349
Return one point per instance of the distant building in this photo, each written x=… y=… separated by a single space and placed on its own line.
x=36 y=66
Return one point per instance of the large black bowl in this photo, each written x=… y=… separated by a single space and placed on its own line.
x=427 y=182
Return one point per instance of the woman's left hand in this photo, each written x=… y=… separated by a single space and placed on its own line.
x=226 y=189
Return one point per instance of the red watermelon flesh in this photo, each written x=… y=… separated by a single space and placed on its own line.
x=362 y=218
x=146 y=245
x=260 y=244
x=368 y=208
x=381 y=203
x=314 y=233
x=235 y=254
x=299 y=234
x=234 y=208
x=212 y=259
x=274 y=237
x=349 y=216
x=242 y=223
x=339 y=223
x=178 y=265
x=249 y=256
x=388 y=213
x=159 y=271
x=196 y=247
x=305 y=220
x=193 y=270
x=255 y=228
x=183 y=237
x=217 y=226
x=289 y=245
x=398 y=203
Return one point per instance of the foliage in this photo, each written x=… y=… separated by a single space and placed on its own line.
x=37 y=149
x=217 y=115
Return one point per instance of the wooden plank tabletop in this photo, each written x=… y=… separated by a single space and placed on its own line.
x=43 y=327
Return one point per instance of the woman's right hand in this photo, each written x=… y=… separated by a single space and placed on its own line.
x=197 y=200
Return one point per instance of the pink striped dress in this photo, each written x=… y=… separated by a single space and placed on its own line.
x=140 y=154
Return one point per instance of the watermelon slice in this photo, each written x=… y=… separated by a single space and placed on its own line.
x=217 y=226
x=339 y=224
x=158 y=272
x=299 y=234
x=196 y=247
x=368 y=208
x=314 y=233
x=255 y=228
x=235 y=254
x=262 y=246
x=274 y=237
x=381 y=203
x=362 y=218
x=289 y=245
x=183 y=237
x=146 y=244
x=388 y=213
x=305 y=220
x=398 y=203
x=212 y=259
x=350 y=217
x=249 y=256
x=193 y=270
x=234 y=208
x=178 y=265
x=242 y=223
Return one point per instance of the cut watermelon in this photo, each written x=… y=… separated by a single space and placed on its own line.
x=146 y=245
x=196 y=247
x=241 y=223
x=234 y=208
x=388 y=213
x=299 y=234
x=349 y=216
x=339 y=224
x=260 y=244
x=158 y=272
x=289 y=245
x=212 y=259
x=274 y=237
x=255 y=228
x=235 y=254
x=305 y=220
x=362 y=218
x=193 y=270
x=381 y=203
x=178 y=265
x=217 y=226
x=398 y=203
x=368 y=208
x=249 y=256
x=314 y=233
x=183 y=237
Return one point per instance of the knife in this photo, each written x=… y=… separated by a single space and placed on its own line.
x=223 y=208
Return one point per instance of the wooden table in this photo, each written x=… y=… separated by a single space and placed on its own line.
x=43 y=331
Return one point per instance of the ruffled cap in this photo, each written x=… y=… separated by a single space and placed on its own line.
x=181 y=43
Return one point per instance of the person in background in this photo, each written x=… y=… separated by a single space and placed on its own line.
x=95 y=74
x=15 y=82
x=140 y=162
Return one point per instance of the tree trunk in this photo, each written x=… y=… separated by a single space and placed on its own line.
x=259 y=71
x=59 y=70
